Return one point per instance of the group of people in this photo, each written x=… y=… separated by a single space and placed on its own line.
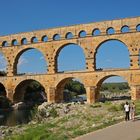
x=129 y=111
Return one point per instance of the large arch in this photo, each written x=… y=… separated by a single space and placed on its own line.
x=3 y=65
x=66 y=58
x=3 y=91
x=4 y=100
x=26 y=59
x=29 y=90
x=116 y=50
x=105 y=78
x=64 y=91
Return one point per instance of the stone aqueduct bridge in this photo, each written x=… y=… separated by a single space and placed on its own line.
x=12 y=46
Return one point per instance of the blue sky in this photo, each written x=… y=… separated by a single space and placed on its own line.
x=27 y=15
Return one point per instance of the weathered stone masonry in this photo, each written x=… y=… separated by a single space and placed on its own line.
x=49 y=44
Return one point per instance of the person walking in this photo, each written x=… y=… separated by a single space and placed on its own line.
x=127 y=110
x=132 y=111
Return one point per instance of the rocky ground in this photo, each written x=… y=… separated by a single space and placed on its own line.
x=72 y=119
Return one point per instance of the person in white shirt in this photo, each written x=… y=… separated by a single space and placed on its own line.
x=127 y=110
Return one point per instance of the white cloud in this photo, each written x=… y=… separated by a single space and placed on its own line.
x=108 y=60
x=41 y=58
x=22 y=61
x=3 y=69
x=2 y=62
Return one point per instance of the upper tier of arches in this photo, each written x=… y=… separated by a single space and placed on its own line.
x=121 y=26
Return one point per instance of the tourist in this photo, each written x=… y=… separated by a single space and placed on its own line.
x=127 y=110
x=132 y=111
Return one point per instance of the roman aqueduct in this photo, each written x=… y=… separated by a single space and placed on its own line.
x=50 y=42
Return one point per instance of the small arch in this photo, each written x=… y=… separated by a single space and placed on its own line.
x=82 y=33
x=24 y=41
x=4 y=44
x=138 y=28
x=69 y=35
x=44 y=38
x=96 y=32
x=34 y=40
x=14 y=42
x=125 y=29
x=110 y=31
x=56 y=37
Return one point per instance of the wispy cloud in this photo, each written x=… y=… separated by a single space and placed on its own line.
x=41 y=58
x=3 y=69
x=22 y=61
x=3 y=63
x=108 y=60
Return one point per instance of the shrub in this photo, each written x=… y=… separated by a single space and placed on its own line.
x=34 y=112
x=122 y=106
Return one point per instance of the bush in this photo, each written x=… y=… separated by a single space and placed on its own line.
x=34 y=112
x=122 y=106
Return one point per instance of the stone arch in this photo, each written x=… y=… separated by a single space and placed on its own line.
x=57 y=51
x=3 y=90
x=44 y=38
x=60 y=85
x=24 y=41
x=21 y=89
x=20 y=53
x=100 y=81
x=108 y=40
x=82 y=33
x=110 y=31
x=34 y=39
x=96 y=32
x=138 y=28
x=56 y=37
x=125 y=29
x=14 y=42
x=4 y=44
x=69 y=35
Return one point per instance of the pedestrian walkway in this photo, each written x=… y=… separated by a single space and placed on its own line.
x=123 y=131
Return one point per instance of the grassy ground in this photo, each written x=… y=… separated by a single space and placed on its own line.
x=82 y=119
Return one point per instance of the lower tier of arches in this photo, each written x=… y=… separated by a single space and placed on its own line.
x=53 y=86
